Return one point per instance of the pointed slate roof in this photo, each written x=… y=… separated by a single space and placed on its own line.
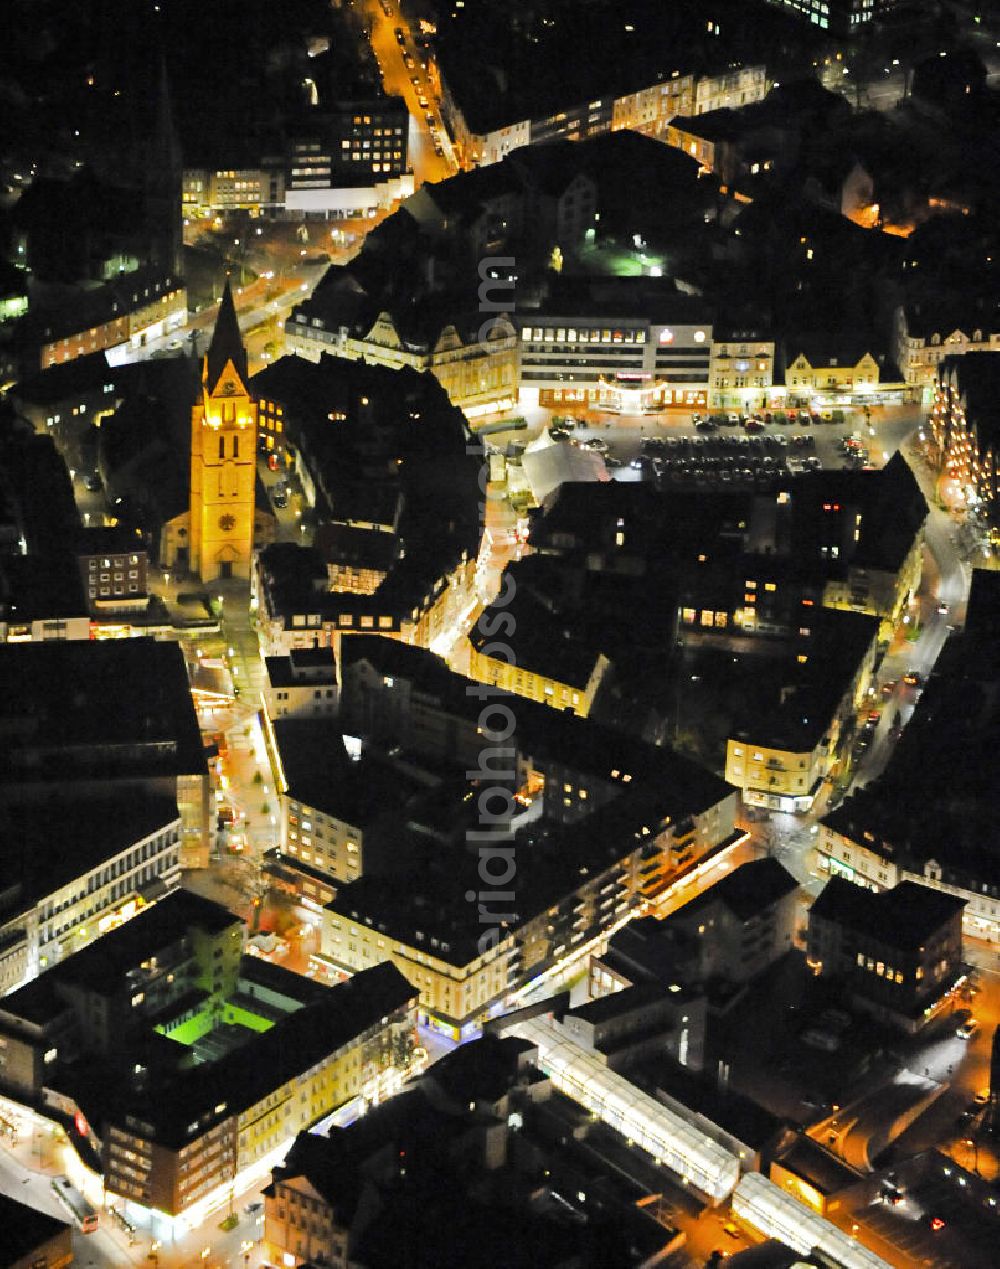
x=227 y=343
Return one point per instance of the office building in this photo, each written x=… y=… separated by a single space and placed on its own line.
x=112 y=719
x=898 y=952
x=600 y=351
x=839 y=17
x=301 y=684
x=184 y=1067
x=78 y=866
x=113 y=565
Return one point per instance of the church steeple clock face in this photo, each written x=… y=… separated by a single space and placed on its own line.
x=227 y=523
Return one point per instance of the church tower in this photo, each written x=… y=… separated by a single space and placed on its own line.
x=223 y=456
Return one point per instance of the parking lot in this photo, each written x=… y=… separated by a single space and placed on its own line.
x=945 y=1217
x=733 y=451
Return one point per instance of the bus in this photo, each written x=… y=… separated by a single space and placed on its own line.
x=75 y=1203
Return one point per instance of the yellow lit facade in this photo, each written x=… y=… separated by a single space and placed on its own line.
x=476 y=370
x=965 y=465
x=870 y=862
x=788 y=779
x=452 y=993
x=522 y=681
x=223 y=477
x=878 y=592
x=764 y=772
x=832 y=377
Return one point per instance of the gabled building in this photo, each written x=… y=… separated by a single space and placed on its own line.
x=964 y=426
x=829 y=367
x=925 y=335
x=216 y=537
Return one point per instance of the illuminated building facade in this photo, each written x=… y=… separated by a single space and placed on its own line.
x=223 y=457
x=898 y=951
x=963 y=428
x=741 y=371
x=623 y=364
x=113 y=566
x=923 y=339
x=781 y=757
x=302 y=684
x=647 y=110
x=209 y=192
x=637 y=815
x=198 y=1115
x=540 y=658
x=474 y=359
x=115 y=318
x=126 y=855
x=830 y=369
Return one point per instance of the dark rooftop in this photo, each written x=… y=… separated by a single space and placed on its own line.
x=904 y=917
x=818 y=1166
x=227 y=343
x=484 y=1071
x=25 y=1230
x=101 y=965
x=732 y=1111
x=64 y=382
x=320 y=773
x=65 y=714
x=301 y=667
x=244 y=1075
x=747 y=890
x=40 y=588
x=45 y=844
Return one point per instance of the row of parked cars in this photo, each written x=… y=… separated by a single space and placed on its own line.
x=773 y=443
x=764 y=418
